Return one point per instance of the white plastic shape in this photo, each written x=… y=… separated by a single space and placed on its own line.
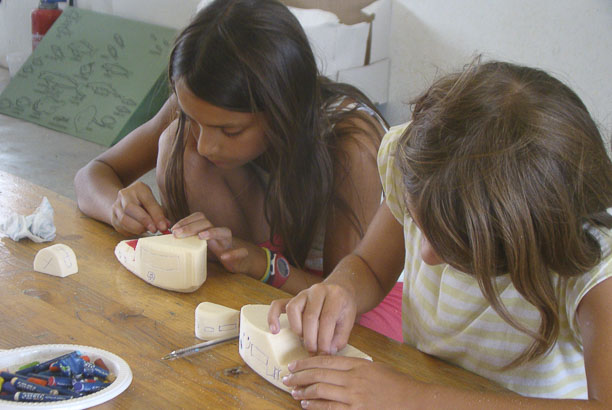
x=57 y=260
x=177 y=264
x=213 y=321
x=268 y=354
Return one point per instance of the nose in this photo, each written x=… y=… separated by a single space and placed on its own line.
x=207 y=142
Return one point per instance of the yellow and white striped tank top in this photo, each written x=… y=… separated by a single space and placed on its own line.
x=445 y=314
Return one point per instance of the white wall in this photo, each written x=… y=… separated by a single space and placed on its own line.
x=571 y=39
x=15 y=26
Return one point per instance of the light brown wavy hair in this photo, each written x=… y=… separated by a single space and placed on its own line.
x=253 y=56
x=505 y=171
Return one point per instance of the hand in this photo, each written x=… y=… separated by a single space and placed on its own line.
x=235 y=255
x=324 y=382
x=323 y=315
x=136 y=210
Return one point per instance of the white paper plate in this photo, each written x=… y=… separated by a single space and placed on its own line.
x=14 y=358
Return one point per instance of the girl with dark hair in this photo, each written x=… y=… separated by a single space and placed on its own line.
x=497 y=205
x=253 y=148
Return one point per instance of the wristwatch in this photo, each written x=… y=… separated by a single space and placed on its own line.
x=280 y=270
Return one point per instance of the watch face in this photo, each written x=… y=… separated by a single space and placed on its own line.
x=282 y=266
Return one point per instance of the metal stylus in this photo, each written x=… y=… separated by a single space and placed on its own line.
x=196 y=348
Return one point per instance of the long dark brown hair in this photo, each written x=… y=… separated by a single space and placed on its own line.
x=506 y=170
x=253 y=56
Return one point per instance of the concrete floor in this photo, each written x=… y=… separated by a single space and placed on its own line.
x=46 y=157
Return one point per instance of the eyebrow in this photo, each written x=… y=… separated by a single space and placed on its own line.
x=221 y=126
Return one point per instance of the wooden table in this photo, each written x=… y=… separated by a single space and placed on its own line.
x=107 y=307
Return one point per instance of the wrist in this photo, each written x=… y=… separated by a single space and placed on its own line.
x=277 y=269
x=280 y=270
x=260 y=268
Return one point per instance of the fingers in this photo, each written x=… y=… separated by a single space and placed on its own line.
x=191 y=225
x=328 y=362
x=323 y=405
x=321 y=396
x=323 y=315
x=136 y=210
x=222 y=235
x=276 y=308
x=310 y=322
x=234 y=259
x=322 y=378
x=341 y=334
x=125 y=224
x=155 y=211
x=294 y=309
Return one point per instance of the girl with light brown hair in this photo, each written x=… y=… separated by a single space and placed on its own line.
x=497 y=207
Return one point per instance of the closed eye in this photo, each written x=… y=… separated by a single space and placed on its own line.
x=231 y=133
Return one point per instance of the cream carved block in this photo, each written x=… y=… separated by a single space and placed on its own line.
x=177 y=264
x=213 y=321
x=57 y=260
x=268 y=354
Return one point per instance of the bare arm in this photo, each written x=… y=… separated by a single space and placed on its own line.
x=357 y=382
x=98 y=184
x=325 y=313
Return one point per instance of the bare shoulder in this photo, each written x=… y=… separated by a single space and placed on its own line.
x=594 y=317
x=596 y=303
x=358 y=138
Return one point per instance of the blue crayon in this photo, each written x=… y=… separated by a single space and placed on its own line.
x=7 y=397
x=30 y=396
x=9 y=376
x=8 y=387
x=68 y=392
x=90 y=387
x=47 y=373
x=45 y=365
x=59 y=381
x=90 y=369
x=24 y=385
x=54 y=380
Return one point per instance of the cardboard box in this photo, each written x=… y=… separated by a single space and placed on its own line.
x=94 y=76
x=355 y=49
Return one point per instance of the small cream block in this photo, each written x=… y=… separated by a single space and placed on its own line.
x=57 y=260
x=214 y=321
x=268 y=354
x=167 y=262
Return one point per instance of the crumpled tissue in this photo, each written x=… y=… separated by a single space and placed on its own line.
x=38 y=227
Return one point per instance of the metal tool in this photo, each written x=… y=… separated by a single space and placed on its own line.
x=196 y=348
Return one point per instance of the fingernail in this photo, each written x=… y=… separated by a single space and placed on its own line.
x=304 y=404
x=163 y=226
x=286 y=379
x=291 y=366
x=273 y=328
x=204 y=235
x=296 y=393
x=152 y=228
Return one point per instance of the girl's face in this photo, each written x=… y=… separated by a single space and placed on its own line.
x=228 y=139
